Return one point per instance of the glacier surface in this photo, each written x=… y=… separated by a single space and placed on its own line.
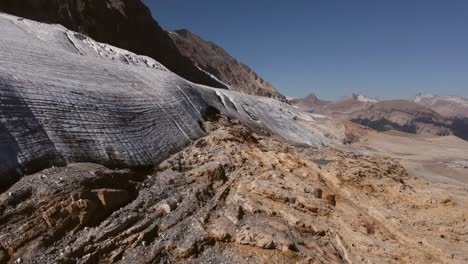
x=67 y=98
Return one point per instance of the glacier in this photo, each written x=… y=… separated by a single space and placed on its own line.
x=67 y=98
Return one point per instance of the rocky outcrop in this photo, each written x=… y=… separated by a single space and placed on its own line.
x=234 y=196
x=67 y=98
x=460 y=127
x=311 y=103
x=222 y=66
x=126 y=24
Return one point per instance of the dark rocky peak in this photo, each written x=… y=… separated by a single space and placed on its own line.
x=312 y=98
x=215 y=61
x=127 y=24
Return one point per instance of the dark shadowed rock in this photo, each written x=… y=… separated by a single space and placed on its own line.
x=217 y=62
x=311 y=103
x=460 y=127
x=126 y=24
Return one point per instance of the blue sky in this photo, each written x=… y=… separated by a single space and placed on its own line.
x=385 y=49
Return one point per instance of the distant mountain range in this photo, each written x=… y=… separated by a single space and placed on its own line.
x=128 y=24
x=422 y=114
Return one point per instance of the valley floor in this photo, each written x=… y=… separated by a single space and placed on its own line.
x=437 y=159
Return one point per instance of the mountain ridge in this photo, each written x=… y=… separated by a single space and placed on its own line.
x=215 y=60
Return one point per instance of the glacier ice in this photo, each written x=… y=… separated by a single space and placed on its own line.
x=67 y=98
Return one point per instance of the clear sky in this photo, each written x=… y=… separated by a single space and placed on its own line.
x=383 y=48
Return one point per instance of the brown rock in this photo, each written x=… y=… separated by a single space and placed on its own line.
x=224 y=67
x=318 y=192
x=168 y=206
x=219 y=234
x=3 y=256
x=183 y=216
x=330 y=198
x=112 y=199
x=266 y=243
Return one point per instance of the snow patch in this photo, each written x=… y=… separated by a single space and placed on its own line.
x=214 y=77
x=429 y=98
x=363 y=98
x=420 y=97
x=457 y=100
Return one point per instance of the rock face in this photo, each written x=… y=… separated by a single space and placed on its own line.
x=401 y=115
x=217 y=62
x=126 y=24
x=67 y=98
x=454 y=108
x=234 y=196
x=460 y=127
x=311 y=103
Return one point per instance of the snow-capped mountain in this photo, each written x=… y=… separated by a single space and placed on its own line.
x=422 y=96
x=364 y=99
x=448 y=106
